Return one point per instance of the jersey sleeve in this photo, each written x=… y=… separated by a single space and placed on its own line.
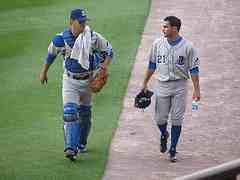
x=193 y=58
x=152 y=57
x=103 y=45
x=54 y=49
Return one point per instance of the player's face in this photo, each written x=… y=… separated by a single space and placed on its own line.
x=77 y=27
x=168 y=30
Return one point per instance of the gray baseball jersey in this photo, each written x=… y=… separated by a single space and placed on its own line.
x=173 y=62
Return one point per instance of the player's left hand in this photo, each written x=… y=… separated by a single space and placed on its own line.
x=100 y=80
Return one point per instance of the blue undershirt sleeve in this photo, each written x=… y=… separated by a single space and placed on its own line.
x=152 y=66
x=50 y=58
x=194 y=71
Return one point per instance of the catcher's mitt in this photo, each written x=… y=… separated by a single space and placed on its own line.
x=99 y=81
x=143 y=99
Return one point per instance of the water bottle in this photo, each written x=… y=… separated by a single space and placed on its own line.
x=195 y=105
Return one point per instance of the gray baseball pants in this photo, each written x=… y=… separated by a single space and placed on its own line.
x=170 y=101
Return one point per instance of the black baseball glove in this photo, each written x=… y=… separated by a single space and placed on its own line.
x=143 y=99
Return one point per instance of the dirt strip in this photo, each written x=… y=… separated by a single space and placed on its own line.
x=210 y=136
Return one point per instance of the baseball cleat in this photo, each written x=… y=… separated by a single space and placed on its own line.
x=163 y=143
x=172 y=156
x=70 y=154
x=173 y=159
x=82 y=149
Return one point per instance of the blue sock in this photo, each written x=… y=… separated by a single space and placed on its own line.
x=175 y=134
x=163 y=129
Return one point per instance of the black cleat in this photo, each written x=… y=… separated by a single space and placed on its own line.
x=70 y=154
x=163 y=143
x=82 y=149
x=172 y=156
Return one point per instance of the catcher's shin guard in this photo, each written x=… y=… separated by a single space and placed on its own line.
x=71 y=126
x=85 y=121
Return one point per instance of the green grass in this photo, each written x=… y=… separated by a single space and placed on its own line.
x=31 y=136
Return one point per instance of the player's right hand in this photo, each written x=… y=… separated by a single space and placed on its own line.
x=43 y=78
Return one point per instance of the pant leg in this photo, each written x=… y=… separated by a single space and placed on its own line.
x=177 y=114
x=162 y=109
x=178 y=102
x=70 y=114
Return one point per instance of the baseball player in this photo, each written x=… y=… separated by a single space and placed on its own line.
x=84 y=52
x=174 y=59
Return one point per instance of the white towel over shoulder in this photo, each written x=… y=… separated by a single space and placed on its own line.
x=81 y=48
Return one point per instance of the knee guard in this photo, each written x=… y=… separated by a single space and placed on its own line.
x=85 y=121
x=71 y=126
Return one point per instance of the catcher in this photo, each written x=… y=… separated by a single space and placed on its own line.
x=87 y=55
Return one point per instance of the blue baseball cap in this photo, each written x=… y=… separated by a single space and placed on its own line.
x=79 y=14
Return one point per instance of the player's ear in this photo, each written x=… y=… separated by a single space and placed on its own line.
x=175 y=29
x=71 y=22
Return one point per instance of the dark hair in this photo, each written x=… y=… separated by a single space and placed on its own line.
x=174 y=21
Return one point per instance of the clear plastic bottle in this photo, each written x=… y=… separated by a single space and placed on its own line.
x=195 y=105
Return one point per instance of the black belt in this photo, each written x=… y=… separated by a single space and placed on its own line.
x=78 y=77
